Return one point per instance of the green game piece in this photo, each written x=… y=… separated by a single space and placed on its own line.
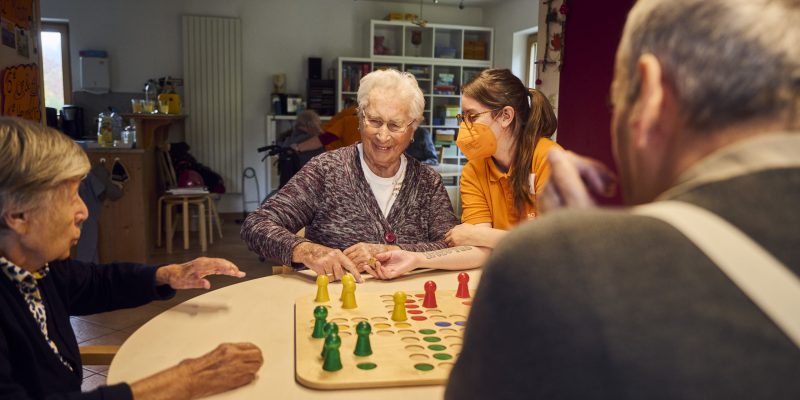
x=423 y=367
x=363 y=347
x=427 y=331
x=320 y=313
x=431 y=339
x=330 y=327
x=367 y=365
x=333 y=360
x=437 y=347
x=442 y=356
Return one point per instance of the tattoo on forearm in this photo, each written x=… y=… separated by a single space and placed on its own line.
x=443 y=252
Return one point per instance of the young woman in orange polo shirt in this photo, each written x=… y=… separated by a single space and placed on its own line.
x=504 y=132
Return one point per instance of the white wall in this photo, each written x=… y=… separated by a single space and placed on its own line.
x=143 y=39
x=508 y=17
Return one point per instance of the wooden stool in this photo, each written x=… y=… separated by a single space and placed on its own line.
x=168 y=203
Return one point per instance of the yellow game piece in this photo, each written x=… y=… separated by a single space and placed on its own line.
x=399 y=313
x=322 y=289
x=349 y=295
x=348 y=277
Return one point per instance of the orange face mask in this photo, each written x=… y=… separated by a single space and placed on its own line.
x=476 y=143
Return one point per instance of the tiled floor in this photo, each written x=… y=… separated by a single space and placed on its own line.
x=113 y=328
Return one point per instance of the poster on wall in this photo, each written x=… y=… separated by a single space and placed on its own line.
x=9 y=38
x=18 y=12
x=20 y=88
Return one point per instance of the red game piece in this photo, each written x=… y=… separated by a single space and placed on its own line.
x=463 y=289
x=430 y=295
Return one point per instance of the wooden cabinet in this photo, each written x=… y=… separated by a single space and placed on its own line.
x=441 y=57
x=127 y=225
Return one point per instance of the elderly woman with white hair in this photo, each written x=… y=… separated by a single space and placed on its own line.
x=40 y=288
x=359 y=200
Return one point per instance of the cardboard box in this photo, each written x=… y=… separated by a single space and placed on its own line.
x=394 y=16
x=445 y=135
x=474 y=50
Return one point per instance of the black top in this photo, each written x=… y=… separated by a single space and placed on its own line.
x=28 y=367
x=605 y=304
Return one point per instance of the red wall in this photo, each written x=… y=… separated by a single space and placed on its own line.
x=592 y=32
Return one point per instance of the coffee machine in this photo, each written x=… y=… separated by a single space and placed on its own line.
x=72 y=121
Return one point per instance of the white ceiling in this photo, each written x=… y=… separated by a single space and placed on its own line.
x=451 y=3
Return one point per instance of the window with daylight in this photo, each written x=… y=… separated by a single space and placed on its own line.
x=56 y=64
x=532 y=39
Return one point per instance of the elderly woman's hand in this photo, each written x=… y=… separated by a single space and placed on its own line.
x=227 y=367
x=191 y=275
x=325 y=261
x=363 y=255
x=391 y=264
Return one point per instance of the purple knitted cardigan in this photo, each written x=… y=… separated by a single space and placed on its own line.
x=331 y=198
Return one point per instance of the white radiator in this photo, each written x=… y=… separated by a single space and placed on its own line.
x=212 y=73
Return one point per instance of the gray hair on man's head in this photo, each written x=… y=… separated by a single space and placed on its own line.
x=398 y=85
x=34 y=160
x=728 y=61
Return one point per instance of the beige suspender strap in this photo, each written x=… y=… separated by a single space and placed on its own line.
x=768 y=283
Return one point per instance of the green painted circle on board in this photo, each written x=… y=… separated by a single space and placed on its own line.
x=367 y=365
x=427 y=331
x=431 y=339
x=423 y=367
x=437 y=347
x=442 y=356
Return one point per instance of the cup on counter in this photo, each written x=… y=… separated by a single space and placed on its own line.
x=149 y=106
x=136 y=106
x=163 y=106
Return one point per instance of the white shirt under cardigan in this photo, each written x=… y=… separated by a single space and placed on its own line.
x=385 y=190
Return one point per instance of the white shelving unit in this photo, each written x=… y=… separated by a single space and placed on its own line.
x=441 y=57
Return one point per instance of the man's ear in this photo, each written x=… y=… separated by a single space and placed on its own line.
x=649 y=108
x=506 y=116
x=17 y=221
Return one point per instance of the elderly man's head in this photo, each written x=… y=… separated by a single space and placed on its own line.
x=701 y=68
x=390 y=107
x=40 y=210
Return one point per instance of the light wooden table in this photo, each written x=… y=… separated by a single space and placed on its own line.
x=259 y=311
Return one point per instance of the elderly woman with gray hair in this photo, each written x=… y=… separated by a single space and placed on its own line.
x=359 y=200
x=40 y=288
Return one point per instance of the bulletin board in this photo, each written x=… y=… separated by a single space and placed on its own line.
x=20 y=62
x=21 y=92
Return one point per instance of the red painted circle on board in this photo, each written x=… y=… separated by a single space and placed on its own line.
x=415 y=311
x=410 y=300
x=412 y=306
x=420 y=295
x=419 y=318
x=466 y=303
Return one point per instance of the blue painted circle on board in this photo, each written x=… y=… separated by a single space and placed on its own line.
x=443 y=323
x=461 y=323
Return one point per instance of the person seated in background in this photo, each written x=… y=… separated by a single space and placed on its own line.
x=504 y=133
x=359 y=200
x=304 y=138
x=40 y=220
x=422 y=147
x=626 y=303
x=342 y=129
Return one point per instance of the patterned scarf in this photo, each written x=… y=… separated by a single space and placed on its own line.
x=27 y=283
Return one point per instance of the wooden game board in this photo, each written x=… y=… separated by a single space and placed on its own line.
x=418 y=351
